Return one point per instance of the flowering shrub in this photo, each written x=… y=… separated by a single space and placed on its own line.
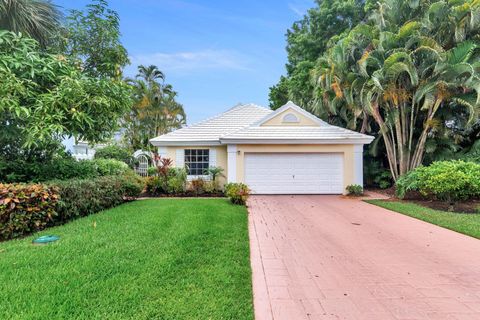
x=237 y=192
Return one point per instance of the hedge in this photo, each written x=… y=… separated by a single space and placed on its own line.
x=28 y=208
x=443 y=180
x=59 y=169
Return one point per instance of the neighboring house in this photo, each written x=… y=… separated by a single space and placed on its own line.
x=82 y=150
x=286 y=151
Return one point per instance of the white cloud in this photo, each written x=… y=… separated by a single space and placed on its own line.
x=193 y=60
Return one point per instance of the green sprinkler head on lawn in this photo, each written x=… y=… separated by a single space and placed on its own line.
x=45 y=239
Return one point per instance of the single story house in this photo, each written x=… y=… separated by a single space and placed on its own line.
x=286 y=151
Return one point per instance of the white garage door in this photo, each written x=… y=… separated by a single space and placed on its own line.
x=294 y=173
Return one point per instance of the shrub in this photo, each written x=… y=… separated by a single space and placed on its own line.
x=110 y=167
x=63 y=169
x=116 y=152
x=176 y=180
x=210 y=186
x=197 y=186
x=26 y=208
x=154 y=185
x=237 y=192
x=444 y=180
x=152 y=171
x=355 y=190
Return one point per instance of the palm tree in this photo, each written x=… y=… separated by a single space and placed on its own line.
x=39 y=19
x=155 y=110
x=402 y=71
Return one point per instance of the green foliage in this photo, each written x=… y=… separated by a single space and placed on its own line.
x=376 y=175
x=110 y=167
x=238 y=193
x=407 y=74
x=116 y=152
x=38 y=19
x=93 y=36
x=214 y=173
x=26 y=208
x=355 y=190
x=60 y=169
x=48 y=95
x=82 y=197
x=155 y=110
x=172 y=182
x=307 y=40
x=444 y=180
x=177 y=179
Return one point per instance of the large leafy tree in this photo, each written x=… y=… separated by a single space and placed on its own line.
x=38 y=19
x=155 y=110
x=93 y=37
x=407 y=72
x=43 y=96
x=306 y=41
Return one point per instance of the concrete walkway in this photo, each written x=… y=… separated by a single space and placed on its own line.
x=328 y=257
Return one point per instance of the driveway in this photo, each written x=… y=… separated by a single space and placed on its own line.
x=329 y=257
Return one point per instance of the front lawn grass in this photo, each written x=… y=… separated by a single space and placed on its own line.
x=149 y=259
x=468 y=224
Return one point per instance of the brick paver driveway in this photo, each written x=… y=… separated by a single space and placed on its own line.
x=327 y=257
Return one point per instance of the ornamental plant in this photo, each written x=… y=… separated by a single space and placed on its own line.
x=443 y=180
x=238 y=193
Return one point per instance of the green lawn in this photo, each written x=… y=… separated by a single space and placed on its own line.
x=468 y=224
x=149 y=259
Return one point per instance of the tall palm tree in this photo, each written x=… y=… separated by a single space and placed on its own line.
x=155 y=110
x=39 y=19
x=416 y=59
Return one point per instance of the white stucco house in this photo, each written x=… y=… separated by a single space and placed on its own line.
x=286 y=151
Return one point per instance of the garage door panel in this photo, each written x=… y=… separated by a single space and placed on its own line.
x=294 y=173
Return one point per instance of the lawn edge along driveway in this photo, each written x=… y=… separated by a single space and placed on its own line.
x=464 y=223
x=149 y=259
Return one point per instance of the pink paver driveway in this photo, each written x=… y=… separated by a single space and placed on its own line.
x=327 y=257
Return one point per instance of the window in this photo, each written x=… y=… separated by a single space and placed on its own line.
x=290 y=118
x=196 y=161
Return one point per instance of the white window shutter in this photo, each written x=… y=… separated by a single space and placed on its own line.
x=180 y=158
x=212 y=158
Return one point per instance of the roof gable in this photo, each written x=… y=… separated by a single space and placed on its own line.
x=291 y=115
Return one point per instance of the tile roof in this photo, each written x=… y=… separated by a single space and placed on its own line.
x=215 y=127
x=242 y=124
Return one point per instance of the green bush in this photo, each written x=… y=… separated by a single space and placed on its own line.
x=116 y=152
x=443 y=180
x=175 y=180
x=355 y=190
x=237 y=192
x=26 y=208
x=110 y=167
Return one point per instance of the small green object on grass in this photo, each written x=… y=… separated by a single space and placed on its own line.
x=45 y=239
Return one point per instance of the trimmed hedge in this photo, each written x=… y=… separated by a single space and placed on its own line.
x=28 y=208
x=443 y=180
x=60 y=169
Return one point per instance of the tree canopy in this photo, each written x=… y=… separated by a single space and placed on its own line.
x=46 y=95
x=155 y=110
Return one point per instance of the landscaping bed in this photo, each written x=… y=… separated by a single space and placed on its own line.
x=151 y=259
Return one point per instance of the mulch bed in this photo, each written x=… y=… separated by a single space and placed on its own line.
x=471 y=206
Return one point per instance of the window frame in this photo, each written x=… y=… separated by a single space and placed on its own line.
x=198 y=154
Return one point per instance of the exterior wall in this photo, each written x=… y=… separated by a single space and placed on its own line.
x=220 y=151
x=278 y=120
x=350 y=176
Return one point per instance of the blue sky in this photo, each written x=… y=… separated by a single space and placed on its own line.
x=215 y=53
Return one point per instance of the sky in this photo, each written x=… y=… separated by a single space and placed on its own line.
x=215 y=53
